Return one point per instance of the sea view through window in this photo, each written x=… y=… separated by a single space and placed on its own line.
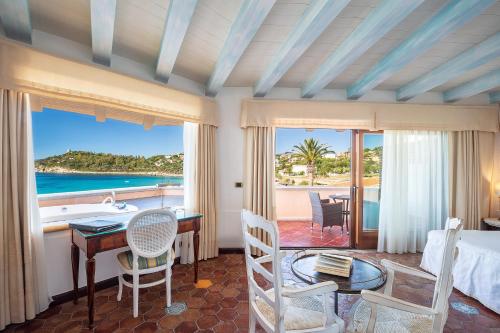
x=74 y=152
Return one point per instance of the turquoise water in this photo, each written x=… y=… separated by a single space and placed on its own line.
x=57 y=183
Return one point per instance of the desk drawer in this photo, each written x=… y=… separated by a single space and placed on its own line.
x=111 y=242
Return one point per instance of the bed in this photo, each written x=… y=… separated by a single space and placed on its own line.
x=477 y=271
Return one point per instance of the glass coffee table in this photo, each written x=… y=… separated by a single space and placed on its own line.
x=365 y=274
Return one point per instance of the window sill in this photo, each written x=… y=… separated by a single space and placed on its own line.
x=55 y=227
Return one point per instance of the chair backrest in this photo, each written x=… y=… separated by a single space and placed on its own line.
x=152 y=232
x=250 y=220
x=317 y=211
x=452 y=223
x=444 y=282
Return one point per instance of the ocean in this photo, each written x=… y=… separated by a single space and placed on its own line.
x=57 y=182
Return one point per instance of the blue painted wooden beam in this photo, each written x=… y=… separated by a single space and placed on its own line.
x=379 y=22
x=102 y=17
x=474 y=57
x=450 y=17
x=315 y=20
x=15 y=18
x=250 y=17
x=179 y=16
x=474 y=87
x=495 y=97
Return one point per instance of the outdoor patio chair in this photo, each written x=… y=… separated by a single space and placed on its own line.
x=326 y=213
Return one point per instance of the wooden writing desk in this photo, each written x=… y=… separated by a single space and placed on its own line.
x=92 y=243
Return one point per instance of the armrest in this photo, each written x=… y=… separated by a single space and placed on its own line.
x=312 y=290
x=267 y=258
x=332 y=206
x=395 y=303
x=394 y=266
x=325 y=200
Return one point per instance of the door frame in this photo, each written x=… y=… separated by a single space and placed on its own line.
x=360 y=238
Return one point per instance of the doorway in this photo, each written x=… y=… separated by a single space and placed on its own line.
x=313 y=161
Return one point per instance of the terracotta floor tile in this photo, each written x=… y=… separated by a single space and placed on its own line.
x=223 y=307
x=186 y=327
x=299 y=234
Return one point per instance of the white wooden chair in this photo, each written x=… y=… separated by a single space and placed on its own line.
x=150 y=235
x=283 y=309
x=377 y=312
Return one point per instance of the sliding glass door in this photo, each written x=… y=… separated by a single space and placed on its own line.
x=367 y=171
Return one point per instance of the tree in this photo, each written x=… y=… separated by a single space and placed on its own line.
x=310 y=152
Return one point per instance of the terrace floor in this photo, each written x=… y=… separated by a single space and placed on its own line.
x=299 y=234
x=223 y=307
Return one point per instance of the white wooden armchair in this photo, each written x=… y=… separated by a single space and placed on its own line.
x=283 y=309
x=377 y=312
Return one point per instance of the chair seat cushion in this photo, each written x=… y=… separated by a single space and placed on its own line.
x=301 y=313
x=388 y=320
x=126 y=260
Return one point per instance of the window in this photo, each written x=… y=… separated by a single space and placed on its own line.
x=76 y=156
x=73 y=152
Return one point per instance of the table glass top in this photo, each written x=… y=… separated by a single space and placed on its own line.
x=364 y=274
x=181 y=215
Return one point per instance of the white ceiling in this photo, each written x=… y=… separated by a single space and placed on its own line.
x=139 y=27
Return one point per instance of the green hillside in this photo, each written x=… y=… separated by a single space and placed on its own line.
x=84 y=161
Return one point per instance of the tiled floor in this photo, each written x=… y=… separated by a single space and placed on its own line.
x=223 y=307
x=299 y=234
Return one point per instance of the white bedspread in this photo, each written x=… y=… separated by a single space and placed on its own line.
x=477 y=271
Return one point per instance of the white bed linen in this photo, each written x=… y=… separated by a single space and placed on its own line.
x=477 y=271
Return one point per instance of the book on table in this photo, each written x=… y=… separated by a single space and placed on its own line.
x=333 y=264
x=96 y=226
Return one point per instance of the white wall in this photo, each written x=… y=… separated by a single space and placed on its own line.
x=230 y=165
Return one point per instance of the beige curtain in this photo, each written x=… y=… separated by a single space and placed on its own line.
x=259 y=176
x=206 y=190
x=23 y=286
x=471 y=170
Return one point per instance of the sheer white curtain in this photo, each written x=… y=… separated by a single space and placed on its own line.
x=190 y=141
x=414 y=196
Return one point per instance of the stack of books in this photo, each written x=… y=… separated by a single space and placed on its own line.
x=333 y=264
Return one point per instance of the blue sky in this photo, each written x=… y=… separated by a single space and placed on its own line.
x=55 y=132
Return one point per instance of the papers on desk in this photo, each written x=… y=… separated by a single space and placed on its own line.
x=96 y=226
x=333 y=264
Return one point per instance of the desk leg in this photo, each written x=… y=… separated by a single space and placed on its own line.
x=90 y=266
x=196 y=241
x=75 y=263
x=336 y=303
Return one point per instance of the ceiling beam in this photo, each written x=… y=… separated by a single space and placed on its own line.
x=16 y=19
x=313 y=22
x=495 y=97
x=148 y=122
x=450 y=17
x=250 y=17
x=100 y=115
x=379 y=22
x=474 y=57
x=179 y=17
x=474 y=87
x=102 y=17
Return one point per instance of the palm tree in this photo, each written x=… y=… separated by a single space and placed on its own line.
x=310 y=152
